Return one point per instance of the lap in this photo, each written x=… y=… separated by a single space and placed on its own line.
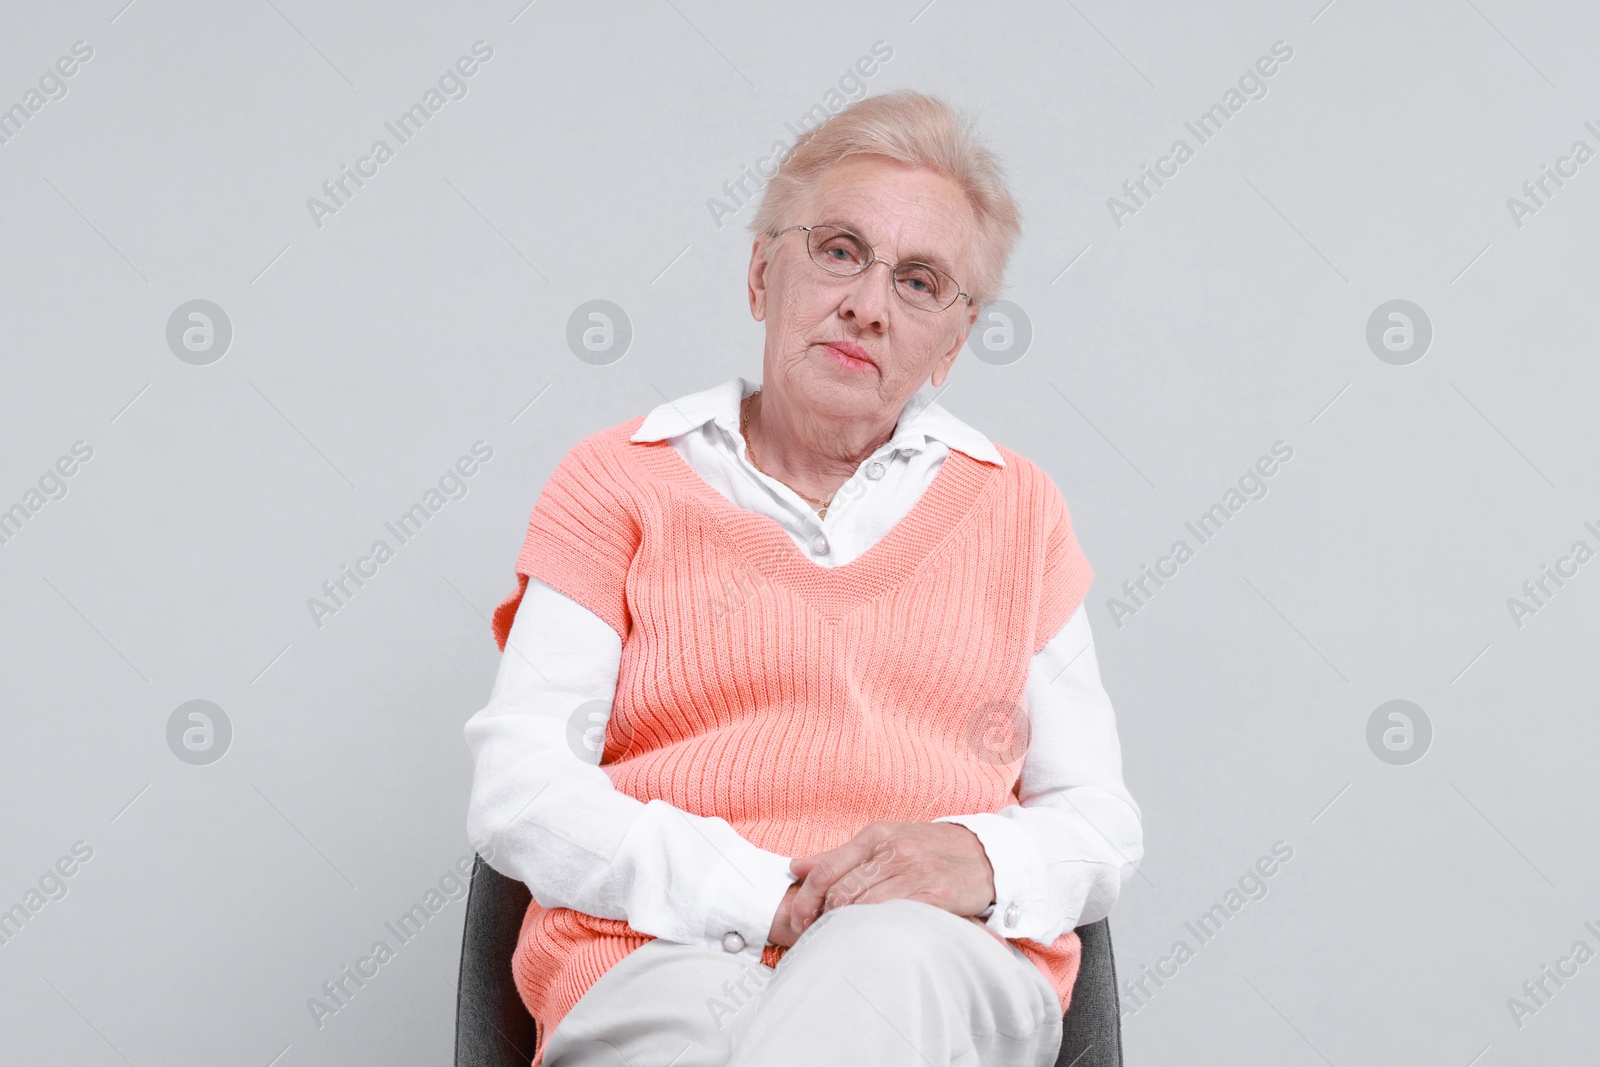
x=901 y=972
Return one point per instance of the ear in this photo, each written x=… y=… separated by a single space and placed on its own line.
x=941 y=370
x=760 y=260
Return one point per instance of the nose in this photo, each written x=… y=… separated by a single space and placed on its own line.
x=867 y=298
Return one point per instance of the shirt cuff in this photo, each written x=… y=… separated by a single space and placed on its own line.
x=1019 y=908
x=742 y=897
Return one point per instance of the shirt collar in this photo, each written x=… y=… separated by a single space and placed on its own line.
x=921 y=420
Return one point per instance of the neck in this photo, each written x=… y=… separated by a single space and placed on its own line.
x=812 y=455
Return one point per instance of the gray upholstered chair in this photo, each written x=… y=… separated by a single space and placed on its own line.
x=494 y=1029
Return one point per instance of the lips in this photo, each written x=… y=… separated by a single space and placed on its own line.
x=853 y=350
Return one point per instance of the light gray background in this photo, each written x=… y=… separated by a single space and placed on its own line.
x=368 y=354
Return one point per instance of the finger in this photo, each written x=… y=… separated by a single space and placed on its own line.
x=885 y=862
x=849 y=886
x=904 y=887
x=808 y=902
x=802 y=865
x=825 y=869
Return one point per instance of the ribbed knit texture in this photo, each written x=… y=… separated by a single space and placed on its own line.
x=797 y=702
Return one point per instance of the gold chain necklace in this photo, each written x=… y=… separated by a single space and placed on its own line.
x=744 y=431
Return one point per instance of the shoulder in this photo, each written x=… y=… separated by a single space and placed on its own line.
x=1033 y=484
x=1044 y=523
x=600 y=461
x=613 y=440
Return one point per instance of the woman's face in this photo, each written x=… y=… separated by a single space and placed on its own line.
x=904 y=213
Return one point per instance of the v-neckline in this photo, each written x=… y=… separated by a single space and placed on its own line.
x=767 y=547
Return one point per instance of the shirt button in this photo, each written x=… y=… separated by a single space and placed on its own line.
x=732 y=941
x=874 y=470
x=1013 y=913
x=819 y=545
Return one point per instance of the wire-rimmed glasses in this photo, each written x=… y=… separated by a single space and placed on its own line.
x=846 y=254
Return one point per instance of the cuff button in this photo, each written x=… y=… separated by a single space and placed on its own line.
x=732 y=941
x=1013 y=913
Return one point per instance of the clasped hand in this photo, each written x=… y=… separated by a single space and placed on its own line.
x=940 y=863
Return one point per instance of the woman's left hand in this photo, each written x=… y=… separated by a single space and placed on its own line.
x=939 y=863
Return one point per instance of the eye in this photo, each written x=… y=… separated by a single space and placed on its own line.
x=838 y=248
x=920 y=279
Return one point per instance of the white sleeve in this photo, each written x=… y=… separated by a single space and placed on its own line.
x=1062 y=856
x=542 y=811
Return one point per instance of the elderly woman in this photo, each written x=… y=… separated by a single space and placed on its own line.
x=799 y=740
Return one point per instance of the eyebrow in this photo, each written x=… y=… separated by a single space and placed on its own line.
x=931 y=258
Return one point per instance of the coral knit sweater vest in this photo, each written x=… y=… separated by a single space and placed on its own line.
x=797 y=702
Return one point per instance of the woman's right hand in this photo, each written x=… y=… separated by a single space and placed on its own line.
x=782 y=932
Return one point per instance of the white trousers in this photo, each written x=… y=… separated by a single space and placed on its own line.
x=901 y=982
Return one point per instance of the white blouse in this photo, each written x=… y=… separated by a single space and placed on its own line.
x=545 y=815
